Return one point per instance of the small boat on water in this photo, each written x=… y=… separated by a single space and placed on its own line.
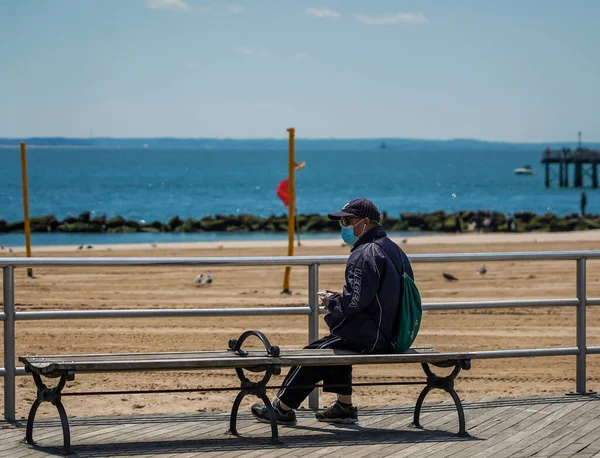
x=525 y=170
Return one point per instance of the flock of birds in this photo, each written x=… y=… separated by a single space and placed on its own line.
x=2 y=248
x=201 y=279
x=481 y=271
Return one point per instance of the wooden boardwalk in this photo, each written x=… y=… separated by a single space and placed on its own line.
x=558 y=426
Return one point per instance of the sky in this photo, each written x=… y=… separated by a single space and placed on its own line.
x=505 y=70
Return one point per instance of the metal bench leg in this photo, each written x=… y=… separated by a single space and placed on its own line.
x=259 y=390
x=447 y=384
x=418 y=405
x=30 y=420
x=234 y=412
x=272 y=416
x=53 y=396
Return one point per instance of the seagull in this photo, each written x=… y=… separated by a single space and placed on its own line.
x=1 y=247
x=449 y=277
x=81 y=247
x=198 y=279
x=90 y=246
x=482 y=270
x=208 y=279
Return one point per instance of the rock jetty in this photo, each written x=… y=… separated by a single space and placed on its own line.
x=439 y=221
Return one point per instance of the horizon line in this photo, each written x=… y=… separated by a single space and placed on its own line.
x=91 y=139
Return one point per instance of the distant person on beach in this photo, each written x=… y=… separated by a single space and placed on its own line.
x=361 y=318
x=458 y=223
x=583 y=203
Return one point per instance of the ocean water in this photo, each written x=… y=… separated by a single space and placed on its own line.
x=156 y=183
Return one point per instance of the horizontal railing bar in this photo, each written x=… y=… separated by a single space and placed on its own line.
x=486 y=354
x=593 y=301
x=532 y=352
x=593 y=350
x=288 y=260
x=174 y=261
x=152 y=313
x=501 y=304
x=19 y=371
x=2 y=316
x=272 y=311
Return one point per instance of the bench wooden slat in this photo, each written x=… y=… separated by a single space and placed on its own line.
x=224 y=359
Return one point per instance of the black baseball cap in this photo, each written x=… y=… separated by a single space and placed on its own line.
x=358 y=207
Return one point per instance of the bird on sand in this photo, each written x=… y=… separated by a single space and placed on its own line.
x=449 y=277
x=208 y=280
x=198 y=279
x=482 y=270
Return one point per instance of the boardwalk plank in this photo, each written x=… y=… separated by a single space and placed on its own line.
x=474 y=419
x=553 y=413
x=564 y=431
x=542 y=426
x=581 y=441
x=516 y=417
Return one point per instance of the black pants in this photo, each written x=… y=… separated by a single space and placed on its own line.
x=308 y=376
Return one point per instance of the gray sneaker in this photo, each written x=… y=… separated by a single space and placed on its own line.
x=338 y=414
x=283 y=417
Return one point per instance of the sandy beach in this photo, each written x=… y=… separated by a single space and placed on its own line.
x=170 y=287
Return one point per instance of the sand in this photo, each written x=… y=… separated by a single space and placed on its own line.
x=171 y=287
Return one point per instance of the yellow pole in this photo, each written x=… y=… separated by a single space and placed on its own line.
x=291 y=204
x=26 y=204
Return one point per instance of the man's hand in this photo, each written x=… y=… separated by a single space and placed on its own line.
x=325 y=297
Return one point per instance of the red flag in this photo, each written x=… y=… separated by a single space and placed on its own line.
x=283 y=192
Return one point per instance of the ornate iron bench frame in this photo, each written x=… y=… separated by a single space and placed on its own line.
x=65 y=368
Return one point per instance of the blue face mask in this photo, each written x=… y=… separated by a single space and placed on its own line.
x=348 y=234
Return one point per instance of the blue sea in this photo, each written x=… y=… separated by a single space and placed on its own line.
x=147 y=182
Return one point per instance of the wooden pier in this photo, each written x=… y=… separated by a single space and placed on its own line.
x=545 y=426
x=585 y=165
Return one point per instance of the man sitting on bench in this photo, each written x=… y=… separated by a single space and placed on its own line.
x=360 y=319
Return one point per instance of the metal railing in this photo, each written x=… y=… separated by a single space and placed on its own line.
x=10 y=316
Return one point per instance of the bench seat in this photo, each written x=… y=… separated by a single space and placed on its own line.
x=270 y=361
x=54 y=365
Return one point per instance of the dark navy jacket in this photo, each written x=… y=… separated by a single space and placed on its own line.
x=364 y=314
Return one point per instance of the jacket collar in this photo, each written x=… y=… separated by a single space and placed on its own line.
x=374 y=234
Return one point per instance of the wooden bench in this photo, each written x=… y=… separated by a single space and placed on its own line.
x=270 y=361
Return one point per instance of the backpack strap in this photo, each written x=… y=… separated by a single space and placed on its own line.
x=401 y=273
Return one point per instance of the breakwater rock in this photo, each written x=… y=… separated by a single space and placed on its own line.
x=439 y=221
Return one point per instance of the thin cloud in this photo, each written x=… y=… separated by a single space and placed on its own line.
x=302 y=56
x=391 y=19
x=235 y=9
x=248 y=51
x=323 y=13
x=171 y=5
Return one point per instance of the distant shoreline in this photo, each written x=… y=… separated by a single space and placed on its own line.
x=436 y=239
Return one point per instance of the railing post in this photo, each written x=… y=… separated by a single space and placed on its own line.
x=313 y=321
x=8 y=279
x=580 y=380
